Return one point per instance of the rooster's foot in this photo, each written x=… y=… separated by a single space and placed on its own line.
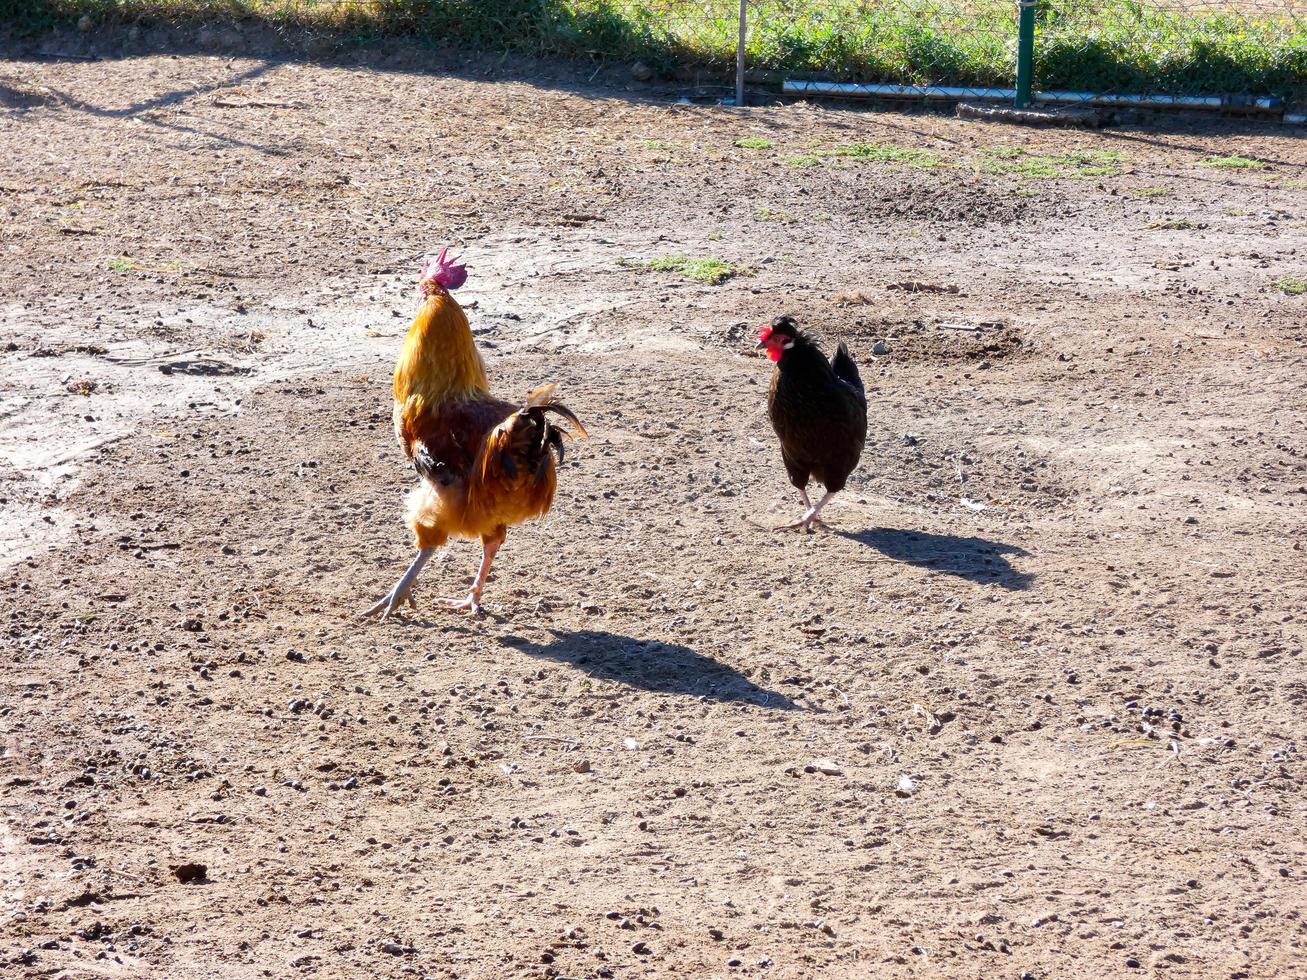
x=402 y=591
x=388 y=603
x=472 y=603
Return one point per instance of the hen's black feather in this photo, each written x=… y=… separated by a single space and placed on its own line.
x=846 y=369
x=819 y=411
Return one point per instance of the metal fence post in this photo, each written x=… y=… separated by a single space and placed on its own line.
x=739 y=53
x=1025 y=51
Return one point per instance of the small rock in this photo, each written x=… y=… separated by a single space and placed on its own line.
x=641 y=72
x=827 y=767
x=394 y=949
x=880 y=347
x=907 y=786
x=85 y=24
x=630 y=744
x=581 y=765
x=642 y=949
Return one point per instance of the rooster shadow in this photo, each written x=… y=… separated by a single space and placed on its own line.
x=977 y=559
x=650 y=665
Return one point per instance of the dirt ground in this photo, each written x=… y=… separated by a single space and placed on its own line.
x=1032 y=709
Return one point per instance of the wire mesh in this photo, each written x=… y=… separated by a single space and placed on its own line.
x=1094 y=47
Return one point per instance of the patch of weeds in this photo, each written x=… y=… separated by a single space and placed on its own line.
x=1234 y=162
x=1171 y=224
x=710 y=270
x=912 y=156
x=754 y=143
x=1291 y=285
x=1150 y=192
x=715 y=236
x=767 y=214
x=1036 y=166
x=121 y=264
x=802 y=162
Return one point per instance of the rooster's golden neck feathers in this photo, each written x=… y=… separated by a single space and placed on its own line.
x=439 y=361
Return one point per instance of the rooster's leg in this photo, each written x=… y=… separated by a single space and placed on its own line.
x=403 y=588
x=489 y=546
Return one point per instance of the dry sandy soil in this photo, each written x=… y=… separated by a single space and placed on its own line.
x=1059 y=736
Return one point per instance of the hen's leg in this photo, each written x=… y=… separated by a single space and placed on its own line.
x=403 y=588
x=809 y=520
x=807 y=506
x=812 y=519
x=489 y=546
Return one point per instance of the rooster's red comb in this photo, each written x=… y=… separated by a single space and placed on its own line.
x=445 y=272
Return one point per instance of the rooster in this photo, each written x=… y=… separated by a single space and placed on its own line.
x=819 y=411
x=484 y=463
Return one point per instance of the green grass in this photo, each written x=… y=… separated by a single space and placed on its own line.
x=712 y=271
x=1291 y=285
x=1036 y=166
x=802 y=162
x=913 y=156
x=754 y=143
x=1232 y=163
x=767 y=214
x=1094 y=45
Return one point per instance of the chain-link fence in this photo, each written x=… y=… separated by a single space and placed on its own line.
x=1148 y=52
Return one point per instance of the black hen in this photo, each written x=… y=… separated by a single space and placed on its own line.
x=818 y=409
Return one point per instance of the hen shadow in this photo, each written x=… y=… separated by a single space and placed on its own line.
x=650 y=665
x=977 y=559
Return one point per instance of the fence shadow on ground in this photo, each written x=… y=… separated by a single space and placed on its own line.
x=650 y=665
x=976 y=559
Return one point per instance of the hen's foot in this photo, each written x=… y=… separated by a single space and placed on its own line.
x=807 y=524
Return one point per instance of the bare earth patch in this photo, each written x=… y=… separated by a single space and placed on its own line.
x=1053 y=730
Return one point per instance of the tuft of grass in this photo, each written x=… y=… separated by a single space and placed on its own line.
x=802 y=162
x=767 y=214
x=121 y=264
x=1291 y=285
x=913 y=156
x=710 y=270
x=659 y=145
x=754 y=143
x=1235 y=162
x=1150 y=192
x=1035 y=166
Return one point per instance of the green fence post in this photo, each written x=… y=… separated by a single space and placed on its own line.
x=1025 y=51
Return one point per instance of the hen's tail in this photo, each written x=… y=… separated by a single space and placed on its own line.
x=846 y=369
